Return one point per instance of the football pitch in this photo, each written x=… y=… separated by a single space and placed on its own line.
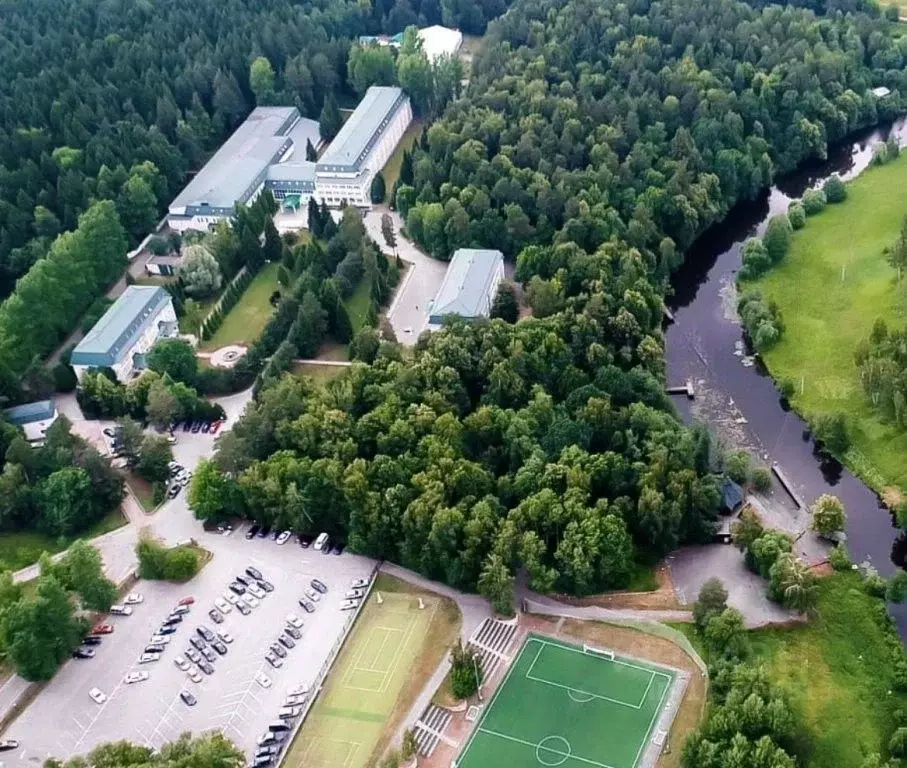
x=560 y=705
x=362 y=687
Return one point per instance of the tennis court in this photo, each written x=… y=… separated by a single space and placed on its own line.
x=362 y=687
x=562 y=705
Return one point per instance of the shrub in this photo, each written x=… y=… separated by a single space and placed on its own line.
x=465 y=672
x=896 y=591
x=874 y=584
x=831 y=431
x=839 y=558
x=813 y=201
x=828 y=514
x=796 y=215
x=755 y=259
x=171 y=564
x=762 y=321
x=712 y=600
x=158 y=493
x=777 y=238
x=737 y=466
x=64 y=378
x=787 y=387
x=834 y=189
x=725 y=634
x=762 y=479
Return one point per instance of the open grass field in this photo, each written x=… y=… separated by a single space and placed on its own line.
x=357 y=305
x=251 y=313
x=348 y=723
x=23 y=548
x=832 y=286
x=391 y=170
x=320 y=374
x=561 y=706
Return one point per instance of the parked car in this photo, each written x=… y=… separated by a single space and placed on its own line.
x=193 y=655
x=294 y=621
x=286 y=642
x=209 y=654
x=109 y=431
x=193 y=675
x=8 y=744
x=254 y=573
x=349 y=605
x=338 y=548
x=284 y=537
x=197 y=642
x=266 y=585
x=222 y=605
x=216 y=426
x=225 y=637
x=273 y=661
x=244 y=609
x=196 y=426
x=250 y=534
x=188 y=600
x=149 y=658
x=256 y=591
x=83 y=653
x=97 y=695
x=216 y=616
x=244 y=580
x=205 y=633
x=275 y=534
x=136 y=677
x=183 y=608
x=166 y=629
x=263 y=531
x=121 y=610
x=155 y=648
x=102 y=629
x=174 y=491
x=231 y=597
x=134 y=598
x=355 y=594
x=251 y=601
x=306 y=605
x=218 y=646
x=187 y=425
x=263 y=680
x=295 y=700
x=160 y=639
x=237 y=588
x=278 y=650
x=359 y=583
x=312 y=595
x=289 y=713
x=205 y=666
x=321 y=542
x=320 y=586
x=91 y=640
x=188 y=699
x=293 y=632
x=305 y=541
x=181 y=663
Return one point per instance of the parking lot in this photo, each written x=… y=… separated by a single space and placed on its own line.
x=64 y=721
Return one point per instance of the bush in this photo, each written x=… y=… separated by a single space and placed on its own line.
x=171 y=564
x=831 y=431
x=64 y=378
x=777 y=238
x=465 y=672
x=813 y=201
x=839 y=558
x=158 y=493
x=796 y=215
x=762 y=321
x=755 y=259
x=787 y=387
x=762 y=479
x=828 y=514
x=834 y=189
x=712 y=601
x=874 y=584
x=725 y=634
x=737 y=466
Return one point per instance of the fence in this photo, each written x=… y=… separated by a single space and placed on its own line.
x=318 y=683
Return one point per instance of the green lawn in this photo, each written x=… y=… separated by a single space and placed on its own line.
x=832 y=286
x=21 y=549
x=391 y=170
x=321 y=374
x=357 y=305
x=251 y=313
x=643 y=579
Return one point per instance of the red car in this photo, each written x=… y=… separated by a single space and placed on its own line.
x=214 y=427
x=101 y=629
x=187 y=600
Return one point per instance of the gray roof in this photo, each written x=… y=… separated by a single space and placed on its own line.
x=29 y=413
x=292 y=171
x=120 y=326
x=467 y=282
x=230 y=176
x=304 y=130
x=352 y=145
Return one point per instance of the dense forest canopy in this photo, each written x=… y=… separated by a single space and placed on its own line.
x=91 y=90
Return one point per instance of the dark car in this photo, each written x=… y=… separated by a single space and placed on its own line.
x=338 y=548
x=206 y=633
x=274 y=534
x=166 y=629
x=250 y=534
x=83 y=653
x=271 y=749
x=319 y=585
x=206 y=427
x=188 y=698
x=196 y=426
x=305 y=541
x=197 y=642
x=173 y=619
x=326 y=549
x=216 y=616
x=209 y=654
x=91 y=640
x=218 y=646
x=174 y=491
x=244 y=580
x=263 y=531
x=244 y=609
x=155 y=648
x=187 y=425
x=286 y=642
x=262 y=762
x=267 y=586
x=205 y=667
x=279 y=650
x=7 y=744
x=307 y=606
x=236 y=588
x=293 y=632
x=254 y=573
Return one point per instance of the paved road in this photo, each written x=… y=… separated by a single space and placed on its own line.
x=409 y=308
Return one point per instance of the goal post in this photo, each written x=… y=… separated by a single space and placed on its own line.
x=602 y=652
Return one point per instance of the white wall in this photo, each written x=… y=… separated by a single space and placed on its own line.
x=35 y=430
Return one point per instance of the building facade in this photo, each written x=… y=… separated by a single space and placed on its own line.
x=469 y=286
x=34 y=418
x=126 y=333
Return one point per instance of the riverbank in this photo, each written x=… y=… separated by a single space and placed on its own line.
x=832 y=286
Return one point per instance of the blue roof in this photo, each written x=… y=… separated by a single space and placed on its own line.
x=352 y=145
x=41 y=410
x=120 y=326
x=467 y=282
x=731 y=494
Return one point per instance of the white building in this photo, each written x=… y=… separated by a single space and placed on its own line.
x=438 y=41
x=469 y=286
x=344 y=173
x=126 y=333
x=34 y=418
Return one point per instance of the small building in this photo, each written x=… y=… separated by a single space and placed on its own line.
x=34 y=418
x=167 y=265
x=438 y=41
x=881 y=92
x=732 y=497
x=469 y=286
x=126 y=332
x=344 y=173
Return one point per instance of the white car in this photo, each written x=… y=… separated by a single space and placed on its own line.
x=294 y=700
x=226 y=637
x=194 y=675
x=251 y=601
x=121 y=610
x=97 y=695
x=284 y=537
x=312 y=595
x=349 y=605
x=160 y=639
x=222 y=605
x=263 y=680
x=181 y=663
x=231 y=598
x=148 y=658
x=359 y=583
x=355 y=594
x=294 y=621
x=136 y=677
x=134 y=598
x=254 y=589
x=299 y=690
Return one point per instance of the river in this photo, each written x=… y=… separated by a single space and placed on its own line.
x=741 y=404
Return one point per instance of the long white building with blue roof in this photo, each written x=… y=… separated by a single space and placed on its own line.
x=268 y=151
x=126 y=333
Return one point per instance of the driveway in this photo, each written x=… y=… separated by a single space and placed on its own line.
x=408 y=312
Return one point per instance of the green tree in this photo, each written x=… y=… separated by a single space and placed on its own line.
x=415 y=77
x=712 y=601
x=762 y=479
x=82 y=571
x=505 y=304
x=273 y=247
x=896 y=591
x=261 y=80
x=831 y=430
x=796 y=215
x=154 y=459
x=792 y=584
x=137 y=207
x=828 y=514
x=777 y=238
x=200 y=272
x=330 y=121
x=162 y=407
x=737 y=466
x=465 y=672
x=725 y=634
x=834 y=189
x=158 y=562
x=496 y=584
x=130 y=435
x=370 y=65
x=65 y=501
x=211 y=494
x=175 y=358
x=378 y=189
x=310 y=154
x=387 y=231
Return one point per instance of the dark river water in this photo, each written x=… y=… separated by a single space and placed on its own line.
x=701 y=345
